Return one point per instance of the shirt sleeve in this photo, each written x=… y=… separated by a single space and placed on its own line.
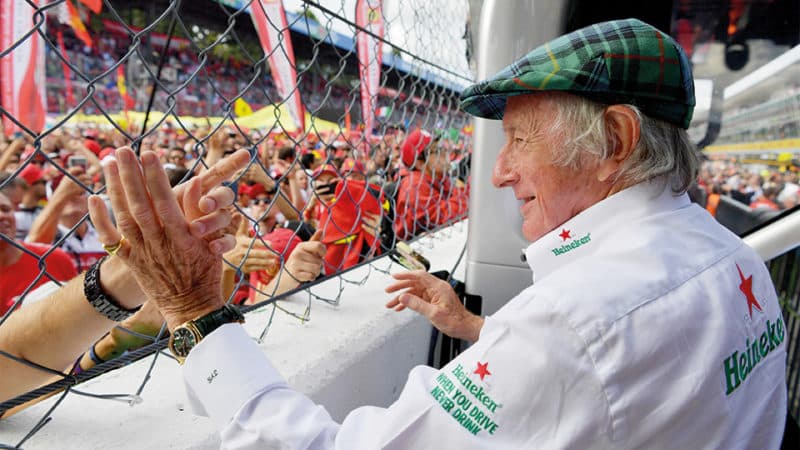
x=488 y=397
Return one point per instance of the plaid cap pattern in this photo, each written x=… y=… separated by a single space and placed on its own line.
x=620 y=61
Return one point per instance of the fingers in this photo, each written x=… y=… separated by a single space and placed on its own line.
x=395 y=303
x=244 y=226
x=218 y=198
x=210 y=223
x=224 y=169
x=417 y=304
x=411 y=275
x=106 y=231
x=316 y=237
x=398 y=286
x=318 y=249
x=135 y=191
x=119 y=203
x=166 y=207
x=223 y=244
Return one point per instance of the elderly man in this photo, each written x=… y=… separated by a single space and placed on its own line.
x=648 y=326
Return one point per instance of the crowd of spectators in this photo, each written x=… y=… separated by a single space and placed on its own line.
x=217 y=82
x=356 y=199
x=758 y=187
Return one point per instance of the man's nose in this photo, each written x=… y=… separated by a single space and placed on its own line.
x=503 y=174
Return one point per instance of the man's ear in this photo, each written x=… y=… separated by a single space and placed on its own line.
x=622 y=131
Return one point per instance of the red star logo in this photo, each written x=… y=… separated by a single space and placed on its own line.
x=565 y=234
x=746 y=286
x=482 y=370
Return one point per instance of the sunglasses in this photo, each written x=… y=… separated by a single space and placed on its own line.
x=260 y=201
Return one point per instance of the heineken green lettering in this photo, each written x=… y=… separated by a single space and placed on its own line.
x=738 y=366
x=577 y=242
x=731 y=373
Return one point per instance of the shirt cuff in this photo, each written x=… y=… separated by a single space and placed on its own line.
x=224 y=371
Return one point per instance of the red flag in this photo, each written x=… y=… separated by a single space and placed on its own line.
x=95 y=5
x=22 y=70
x=65 y=67
x=269 y=19
x=71 y=17
x=369 y=17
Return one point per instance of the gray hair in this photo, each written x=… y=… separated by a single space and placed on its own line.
x=663 y=149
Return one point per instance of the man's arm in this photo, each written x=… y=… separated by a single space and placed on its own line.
x=56 y=330
x=44 y=227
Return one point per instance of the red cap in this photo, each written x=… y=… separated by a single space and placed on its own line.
x=92 y=145
x=351 y=165
x=325 y=168
x=256 y=189
x=32 y=173
x=414 y=145
x=105 y=152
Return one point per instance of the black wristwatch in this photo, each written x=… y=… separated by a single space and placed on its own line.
x=186 y=336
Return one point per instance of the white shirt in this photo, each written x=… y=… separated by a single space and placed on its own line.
x=636 y=334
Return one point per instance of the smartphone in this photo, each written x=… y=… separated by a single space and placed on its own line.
x=77 y=161
x=326 y=189
x=407 y=257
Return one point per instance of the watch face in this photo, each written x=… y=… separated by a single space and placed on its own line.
x=183 y=340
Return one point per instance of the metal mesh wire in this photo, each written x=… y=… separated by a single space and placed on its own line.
x=190 y=81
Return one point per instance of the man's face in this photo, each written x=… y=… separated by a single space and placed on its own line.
x=8 y=224
x=74 y=209
x=177 y=157
x=551 y=194
x=437 y=163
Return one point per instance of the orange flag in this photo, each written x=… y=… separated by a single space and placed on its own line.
x=95 y=5
x=74 y=20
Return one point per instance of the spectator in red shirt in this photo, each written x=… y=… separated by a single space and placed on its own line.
x=425 y=197
x=20 y=268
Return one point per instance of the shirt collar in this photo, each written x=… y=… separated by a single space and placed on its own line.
x=579 y=236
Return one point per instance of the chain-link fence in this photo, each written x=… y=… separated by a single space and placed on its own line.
x=349 y=110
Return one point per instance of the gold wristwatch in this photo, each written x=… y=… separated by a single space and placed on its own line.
x=186 y=336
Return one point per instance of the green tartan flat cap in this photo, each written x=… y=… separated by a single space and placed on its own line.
x=621 y=61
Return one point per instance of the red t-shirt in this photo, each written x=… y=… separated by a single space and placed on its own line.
x=14 y=279
x=424 y=203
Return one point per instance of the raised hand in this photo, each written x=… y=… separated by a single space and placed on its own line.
x=437 y=301
x=166 y=247
x=305 y=262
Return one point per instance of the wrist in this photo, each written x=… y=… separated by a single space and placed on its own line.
x=178 y=317
x=117 y=282
x=474 y=329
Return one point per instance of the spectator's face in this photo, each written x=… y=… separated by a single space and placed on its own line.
x=176 y=157
x=550 y=194
x=75 y=209
x=14 y=194
x=8 y=225
x=261 y=210
x=302 y=179
x=437 y=162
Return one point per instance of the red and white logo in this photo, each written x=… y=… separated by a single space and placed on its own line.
x=482 y=370
x=746 y=286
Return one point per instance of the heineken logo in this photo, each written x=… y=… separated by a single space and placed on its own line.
x=569 y=243
x=746 y=286
x=741 y=362
x=465 y=400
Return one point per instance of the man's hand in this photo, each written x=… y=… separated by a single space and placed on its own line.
x=436 y=300
x=305 y=262
x=166 y=248
x=252 y=250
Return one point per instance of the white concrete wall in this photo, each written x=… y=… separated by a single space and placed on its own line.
x=358 y=353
